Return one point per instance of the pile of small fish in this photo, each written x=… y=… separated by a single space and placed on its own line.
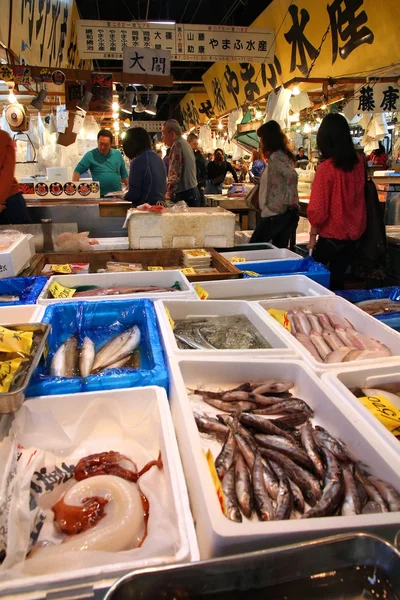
x=117 y=291
x=218 y=333
x=331 y=338
x=117 y=353
x=9 y=298
x=379 y=307
x=285 y=467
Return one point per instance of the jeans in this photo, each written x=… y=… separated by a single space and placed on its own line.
x=191 y=197
x=16 y=212
x=276 y=229
x=336 y=255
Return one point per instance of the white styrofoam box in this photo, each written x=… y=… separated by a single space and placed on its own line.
x=141 y=407
x=16 y=257
x=340 y=382
x=27 y=313
x=260 y=288
x=362 y=322
x=112 y=243
x=216 y=534
x=193 y=228
x=184 y=309
x=255 y=255
x=58 y=173
x=104 y=280
x=243 y=236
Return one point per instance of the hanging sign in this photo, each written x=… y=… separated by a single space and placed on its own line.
x=147 y=61
x=377 y=98
x=196 y=109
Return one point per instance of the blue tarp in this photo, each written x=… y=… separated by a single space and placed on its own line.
x=392 y=292
x=102 y=321
x=306 y=266
x=27 y=288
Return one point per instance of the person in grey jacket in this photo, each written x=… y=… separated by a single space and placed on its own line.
x=182 y=176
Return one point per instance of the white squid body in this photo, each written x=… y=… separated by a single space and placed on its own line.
x=120 y=528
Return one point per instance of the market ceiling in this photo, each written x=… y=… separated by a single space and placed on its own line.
x=223 y=12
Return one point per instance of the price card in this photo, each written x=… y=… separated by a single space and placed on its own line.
x=252 y=273
x=237 y=259
x=188 y=271
x=59 y=291
x=384 y=410
x=155 y=269
x=281 y=316
x=170 y=319
x=66 y=269
x=201 y=292
x=8 y=369
x=15 y=341
x=216 y=480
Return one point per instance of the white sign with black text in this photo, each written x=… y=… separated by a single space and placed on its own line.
x=146 y=61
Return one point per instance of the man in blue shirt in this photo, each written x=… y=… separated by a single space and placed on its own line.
x=105 y=164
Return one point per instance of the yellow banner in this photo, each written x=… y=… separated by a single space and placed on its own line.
x=362 y=38
x=196 y=109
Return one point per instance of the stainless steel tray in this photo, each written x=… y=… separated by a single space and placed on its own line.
x=263 y=574
x=10 y=402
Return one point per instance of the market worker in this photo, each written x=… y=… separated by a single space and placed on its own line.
x=337 y=208
x=201 y=165
x=147 y=173
x=13 y=209
x=216 y=172
x=378 y=157
x=105 y=164
x=182 y=178
x=301 y=155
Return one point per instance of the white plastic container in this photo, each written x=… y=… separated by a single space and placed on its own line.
x=255 y=255
x=362 y=322
x=193 y=228
x=16 y=257
x=104 y=280
x=27 y=313
x=145 y=411
x=262 y=288
x=216 y=534
x=184 y=309
x=341 y=381
x=112 y=243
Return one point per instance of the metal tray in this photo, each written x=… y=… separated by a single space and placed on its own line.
x=309 y=569
x=10 y=402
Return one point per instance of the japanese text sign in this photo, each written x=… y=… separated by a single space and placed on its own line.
x=196 y=109
x=147 y=61
x=375 y=98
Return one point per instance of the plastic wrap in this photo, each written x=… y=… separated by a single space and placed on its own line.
x=27 y=288
x=102 y=321
x=306 y=266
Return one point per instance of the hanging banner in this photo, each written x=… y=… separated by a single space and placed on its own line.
x=146 y=61
x=196 y=109
x=5 y=23
x=107 y=39
x=360 y=37
x=377 y=98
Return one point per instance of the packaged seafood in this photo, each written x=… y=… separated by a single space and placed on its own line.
x=73 y=268
x=20 y=290
x=216 y=533
x=55 y=471
x=217 y=327
x=94 y=346
x=123 y=286
x=330 y=331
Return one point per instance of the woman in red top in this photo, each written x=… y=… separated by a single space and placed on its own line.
x=13 y=209
x=337 y=209
x=378 y=157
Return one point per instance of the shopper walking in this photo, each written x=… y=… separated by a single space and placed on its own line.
x=182 y=179
x=201 y=166
x=337 y=208
x=147 y=173
x=13 y=210
x=278 y=197
x=216 y=172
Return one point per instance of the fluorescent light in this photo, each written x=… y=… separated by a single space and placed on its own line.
x=115 y=115
x=259 y=113
x=324 y=107
x=162 y=22
x=294 y=118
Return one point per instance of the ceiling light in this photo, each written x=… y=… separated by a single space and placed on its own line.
x=116 y=126
x=115 y=115
x=220 y=125
x=139 y=108
x=127 y=105
x=259 y=113
x=38 y=101
x=151 y=108
x=84 y=103
x=324 y=107
x=296 y=90
x=115 y=106
x=307 y=128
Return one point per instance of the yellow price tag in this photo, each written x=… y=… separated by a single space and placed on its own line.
x=59 y=291
x=201 y=292
x=15 y=341
x=383 y=410
x=8 y=368
x=66 y=269
x=237 y=259
x=252 y=273
x=216 y=481
x=281 y=316
x=155 y=269
x=188 y=271
x=170 y=319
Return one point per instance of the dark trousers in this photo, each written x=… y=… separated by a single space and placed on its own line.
x=337 y=256
x=16 y=212
x=276 y=229
x=191 y=197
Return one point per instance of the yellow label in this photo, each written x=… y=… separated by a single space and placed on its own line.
x=201 y=292
x=188 y=271
x=216 y=481
x=170 y=319
x=15 y=341
x=237 y=259
x=196 y=253
x=281 y=316
x=252 y=273
x=46 y=350
x=66 y=269
x=155 y=269
x=383 y=410
x=59 y=291
x=7 y=370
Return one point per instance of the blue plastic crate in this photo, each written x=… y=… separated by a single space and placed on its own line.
x=270 y=268
x=102 y=321
x=355 y=296
x=27 y=288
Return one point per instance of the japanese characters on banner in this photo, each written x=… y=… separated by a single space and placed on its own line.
x=377 y=98
x=362 y=38
x=146 y=61
x=107 y=39
x=196 y=109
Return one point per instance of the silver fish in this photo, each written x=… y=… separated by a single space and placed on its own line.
x=117 y=348
x=284 y=504
x=229 y=407
x=244 y=492
x=86 y=357
x=237 y=396
x=310 y=447
x=226 y=457
x=298 y=498
x=263 y=425
x=338 y=355
x=246 y=449
x=271 y=482
x=333 y=491
x=228 y=487
x=65 y=360
x=272 y=386
x=286 y=406
x=262 y=500
x=323 y=439
x=388 y=493
x=289 y=422
x=211 y=426
x=351 y=503
x=119 y=364
x=287 y=447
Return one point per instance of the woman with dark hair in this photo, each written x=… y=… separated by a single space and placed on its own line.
x=147 y=174
x=278 y=197
x=337 y=208
x=378 y=157
x=216 y=173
